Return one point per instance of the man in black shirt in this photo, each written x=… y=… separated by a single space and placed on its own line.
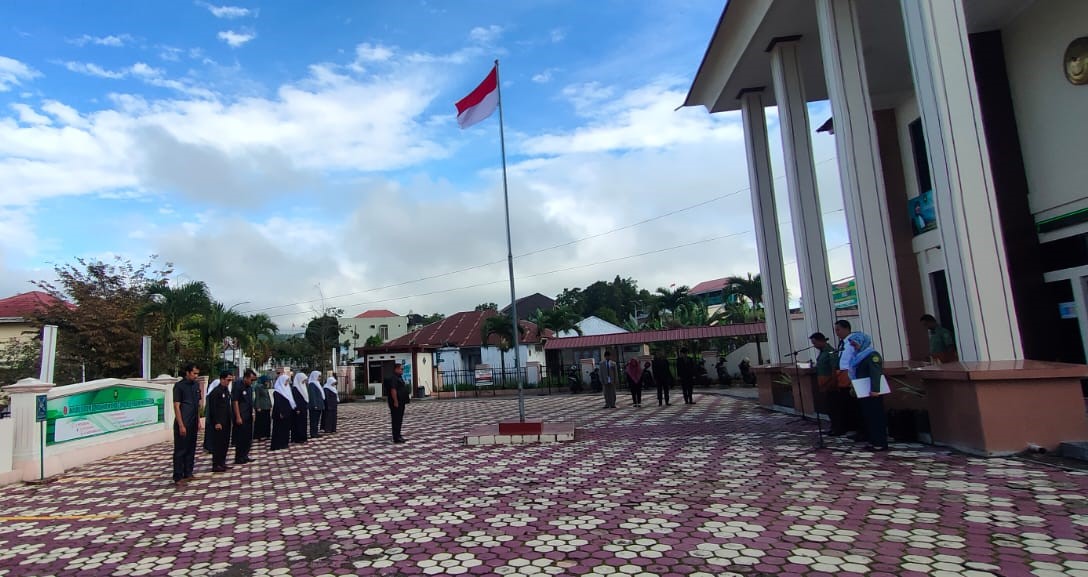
x=396 y=395
x=685 y=369
x=186 y=423
x=242 y=405
x=218 y=413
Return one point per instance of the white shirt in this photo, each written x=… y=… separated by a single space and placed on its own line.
x=846 y=356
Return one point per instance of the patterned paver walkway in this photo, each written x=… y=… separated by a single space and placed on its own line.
x=716 y=488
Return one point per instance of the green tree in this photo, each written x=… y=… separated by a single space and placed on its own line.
x=19 y=359
x=323 y=333
x=435 y=317
x=102 y=331
x=502 y=327
x=293 y=350
x=557 y=319
x=257 y=332
x=373 y=341
x=218 y=328
x=487 y=307
x=669 y=300
x=172 y=309
x=745 y=289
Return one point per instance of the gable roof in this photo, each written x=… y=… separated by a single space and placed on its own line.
x=528 y=305
x=709 y=286
x=457 y=330
x=376 y=314
x=26 y=304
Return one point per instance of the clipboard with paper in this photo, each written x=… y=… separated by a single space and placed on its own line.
x=863 y=386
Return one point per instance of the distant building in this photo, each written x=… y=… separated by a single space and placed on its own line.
x=711 y=293
x=16 y=313
x=386 y=324
x=593 y=326
x=529 y=305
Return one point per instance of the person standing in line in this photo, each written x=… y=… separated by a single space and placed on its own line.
x=685 y=369
x=208 y=448
x=396 y=396
x=332 y=400
x=317 y=402
x=942 y=345
x=663 y=377
x=283 y=413
x=186 y=423
x=849 y=407
x=867 y=364
x=219 y=415
x=241 y=400
x=608 y=380
x=298 y=391
x=634 y=380
x=646 y=381
x=262 y=404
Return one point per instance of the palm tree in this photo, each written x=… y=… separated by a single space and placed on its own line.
x=502 y=327
x=670 y=300
x=256 y=338
x=558 y=319
x=748 y=290
x=214 y=326
x=176 y=307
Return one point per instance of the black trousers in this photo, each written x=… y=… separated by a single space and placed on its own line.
x=636 y=391
x=315 y=422
x=220 y=444
x=184 y=451
x=329 y=416
x=243 y=441
x=281 y=432
x=262 y=425
x=876 y=425
x=662 y=393
x=687 y=385
x=397 y=415
x=298 y=431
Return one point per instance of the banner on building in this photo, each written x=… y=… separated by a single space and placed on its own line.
x=844 y=294
x=102 y=411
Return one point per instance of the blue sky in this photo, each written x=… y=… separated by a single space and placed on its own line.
x=288 y=151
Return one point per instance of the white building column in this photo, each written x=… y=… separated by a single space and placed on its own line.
x=765 y=214
x=808 y=227
x=971 y=237
x=862 y=179
x=27 y=444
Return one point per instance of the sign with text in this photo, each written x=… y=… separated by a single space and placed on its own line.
x=845 y=294
x=103 y=411
x=39 y=407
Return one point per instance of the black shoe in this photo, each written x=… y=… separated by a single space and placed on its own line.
x=398 y=440
x=836 y=433
x=219 y=469
x=873 y=449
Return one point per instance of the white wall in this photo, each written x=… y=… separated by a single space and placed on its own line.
x=493 y=356
x=1051 y=113
x=398 y=327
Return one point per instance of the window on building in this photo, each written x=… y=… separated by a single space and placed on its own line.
x=383 y=332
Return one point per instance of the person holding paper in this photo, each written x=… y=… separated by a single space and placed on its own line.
x=867 y=376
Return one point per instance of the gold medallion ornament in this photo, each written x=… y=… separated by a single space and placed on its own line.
x=1076 y=61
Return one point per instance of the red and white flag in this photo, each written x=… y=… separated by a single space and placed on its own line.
x=481 y=102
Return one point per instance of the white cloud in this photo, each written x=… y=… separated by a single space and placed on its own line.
x=115 y=41
x=28 y=116
x=367 y=52
x=143 y=72
x=558 y=35
x=229 y=12
x=485 y=34
x=236 y=39
x=544 y=77
x=13 y=73
x=92 y=69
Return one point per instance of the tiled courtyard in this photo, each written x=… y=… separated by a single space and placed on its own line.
x=716 y=488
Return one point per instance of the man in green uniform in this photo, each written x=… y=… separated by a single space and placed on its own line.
x=828 y=383
x=942 y=345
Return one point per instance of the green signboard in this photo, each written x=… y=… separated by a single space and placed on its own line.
x=106 y=410
x=845 y=294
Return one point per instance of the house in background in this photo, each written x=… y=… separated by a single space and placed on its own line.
x=385 y=324
x=16 y=313
x=711 y=293
x=527 y=306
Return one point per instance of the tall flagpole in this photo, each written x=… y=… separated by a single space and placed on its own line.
x=510 y=254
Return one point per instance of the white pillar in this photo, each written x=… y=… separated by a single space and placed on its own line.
x=146 y=358
x=862 y=179
x=808 y=227
x=28 y=437
x=768 y=240
x=49 y=353
x=970 y=229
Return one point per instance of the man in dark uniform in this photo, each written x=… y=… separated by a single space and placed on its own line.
x=262 y=404
x=662 y=376
x=396 y=396
x=186 y=423
x=685 y=370
x=242 y=404
x=219 y=419
x=827 y=379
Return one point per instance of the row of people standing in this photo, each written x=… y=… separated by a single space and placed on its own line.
x=303 y=409
x=650 y=375
x=852 y=408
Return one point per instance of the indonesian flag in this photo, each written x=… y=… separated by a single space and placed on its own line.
x=481 y=102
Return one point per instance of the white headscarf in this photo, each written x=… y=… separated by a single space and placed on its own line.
x=300 y=384
x=281 y=388
x=315 y=378
x=330 y=383
x=211 y=387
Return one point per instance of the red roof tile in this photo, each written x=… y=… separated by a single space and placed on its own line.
x=709 y=286
x=685 y=334
x=457 y=330
x=26 y=304
x=376 y=314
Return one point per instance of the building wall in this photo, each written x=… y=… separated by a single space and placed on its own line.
x=493 y=356
x=398 y=327
x=16 y=331
x=1051 y=113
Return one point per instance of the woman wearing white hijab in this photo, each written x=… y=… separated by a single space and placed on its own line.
x=298 y=390
x=283 y=413
x=317 y=402
x=331 y=401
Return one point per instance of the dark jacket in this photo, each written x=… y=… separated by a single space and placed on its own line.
x=243 y=395
x=872 y=367
x=394 y=382
x=219 y=411
x=262 y=400
x=662 y=372
x=187 y=393
x=317 y=400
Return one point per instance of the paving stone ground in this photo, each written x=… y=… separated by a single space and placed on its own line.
x=716 y=488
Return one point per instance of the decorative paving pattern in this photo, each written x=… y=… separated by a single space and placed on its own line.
x=716 y=488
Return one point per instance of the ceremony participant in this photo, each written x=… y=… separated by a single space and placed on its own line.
x=207 y=434
x=634 y=381
x=186 y=423
x=685 y=370
x=396 y=396
x=608 y=380
x=262 y=404
x=283 y=413
x=849 y=409
x=663 y=377
x=646 y=381
x=219 y=416
x=332 y=400
x=317 y=402
x=241 y=400
x=827 y=381
x=942 y=345
x=867 y=364
x=302 y=406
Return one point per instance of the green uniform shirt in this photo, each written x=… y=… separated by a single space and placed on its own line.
x=941 y=340
x=825 y=362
